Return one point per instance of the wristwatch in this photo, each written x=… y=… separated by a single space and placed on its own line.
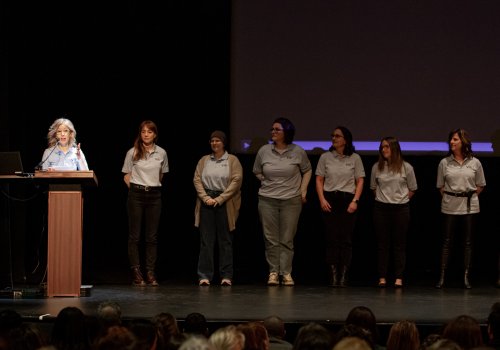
x=355 y=200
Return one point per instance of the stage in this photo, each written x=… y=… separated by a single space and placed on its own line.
x=430 y=308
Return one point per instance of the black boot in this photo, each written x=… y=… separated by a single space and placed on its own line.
x=466 y=280
x=467 y=260
x=334 y=282
x=440 y=283
x=445 y=252
x=343 y=277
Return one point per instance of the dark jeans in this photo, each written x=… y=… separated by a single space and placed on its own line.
x=214 y=227
x=144 y=211
x=391 y=223
x=339 y=228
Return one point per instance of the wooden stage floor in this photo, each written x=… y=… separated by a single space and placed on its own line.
x=299 y=304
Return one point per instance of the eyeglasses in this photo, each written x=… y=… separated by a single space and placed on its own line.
x=275 y=130
x=336 y=136
x=59 y=132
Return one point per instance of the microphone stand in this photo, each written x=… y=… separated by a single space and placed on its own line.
x=39 y=166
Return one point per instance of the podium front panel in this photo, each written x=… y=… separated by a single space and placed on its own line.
x=64 y=255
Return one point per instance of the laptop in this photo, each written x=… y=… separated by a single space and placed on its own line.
x=10 y=163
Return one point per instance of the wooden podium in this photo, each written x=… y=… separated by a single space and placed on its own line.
x=65 y=226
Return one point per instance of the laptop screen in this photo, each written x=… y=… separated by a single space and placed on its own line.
x=10 y=163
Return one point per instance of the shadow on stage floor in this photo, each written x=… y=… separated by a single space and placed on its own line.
x=430 y=308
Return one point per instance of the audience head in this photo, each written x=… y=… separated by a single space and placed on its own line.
x=352 y=343
x=145 y=332
x=352 y=330
x=445 y=344
x=429 y=340
x=109 y=314
x=313 y=336
x=364 y=317
x=465 y=331
x=69 y=330
x=261 y=335
x=195 y=323
x=117 y=338
x=227 y=338
x=403 y=335
x=166 y=324
x=494 y=322
x=275 y=326
x=196 y=342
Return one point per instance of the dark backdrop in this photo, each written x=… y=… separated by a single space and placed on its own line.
x=108 y=66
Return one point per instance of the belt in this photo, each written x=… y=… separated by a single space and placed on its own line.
x=144 y=188
x=467 y=194
x=213 y=193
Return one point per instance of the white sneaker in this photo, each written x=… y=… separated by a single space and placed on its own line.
x=273 y=279
x=287 y=280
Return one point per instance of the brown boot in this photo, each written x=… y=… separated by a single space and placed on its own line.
x=137 y=279
x=151 y=279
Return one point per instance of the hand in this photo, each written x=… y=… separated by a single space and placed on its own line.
x=325 y=206
x=78 y=151
x=211 y=202
x=353 y=206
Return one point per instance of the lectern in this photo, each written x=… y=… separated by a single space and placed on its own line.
x=65 y=226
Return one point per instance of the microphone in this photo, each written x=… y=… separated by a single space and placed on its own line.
x=39 y=166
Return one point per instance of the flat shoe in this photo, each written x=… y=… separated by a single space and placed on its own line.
x=226 y=282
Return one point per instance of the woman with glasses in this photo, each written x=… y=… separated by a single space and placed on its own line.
x=284 y=171
x=63 y=152
x=394 y=183
x=460 y=180
x=339 y=183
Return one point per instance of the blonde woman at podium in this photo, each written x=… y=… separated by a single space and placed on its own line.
x=143 y=168
x=63 y=152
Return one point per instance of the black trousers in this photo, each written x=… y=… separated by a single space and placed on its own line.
x=339 y=228
x=391 y=223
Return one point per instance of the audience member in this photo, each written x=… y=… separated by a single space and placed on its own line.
x=494 y=326
x=69 y=330
x=166 y=325
x=352 y=330
x=445 y=344
x=109 y=313
x=227 y=338
x=145 y=332
x=364 y=317
x=117 y=338
x=313 y=336
x=276 y=331
x=195 y=323
x=465 y=331
x=429 y=340
x=196 y=342
x=352 y=343
x=251 y=342
x=404 y=335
